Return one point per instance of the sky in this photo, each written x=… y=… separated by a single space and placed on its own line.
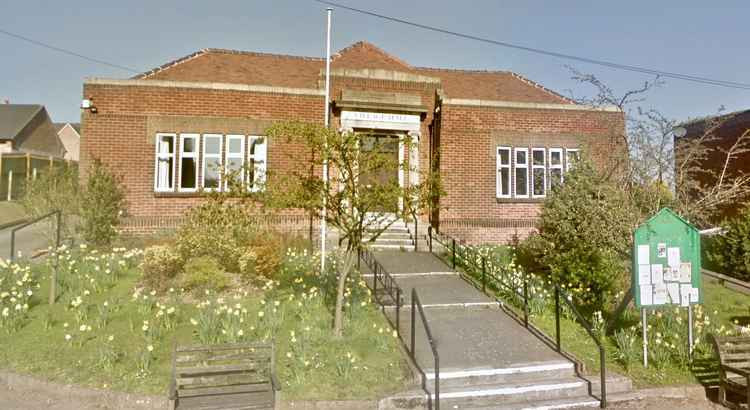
x=700 y=38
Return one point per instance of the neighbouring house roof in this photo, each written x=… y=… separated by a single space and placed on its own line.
x=75 y=125
x=14 y=117
x=244 y=67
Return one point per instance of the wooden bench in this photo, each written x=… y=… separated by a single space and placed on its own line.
x=734 y=366
x=230 y=376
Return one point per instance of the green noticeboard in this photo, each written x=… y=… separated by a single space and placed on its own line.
x=666 y=262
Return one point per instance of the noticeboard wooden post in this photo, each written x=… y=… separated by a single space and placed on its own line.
x=666 y=266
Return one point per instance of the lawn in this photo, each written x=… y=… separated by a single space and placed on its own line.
x=723 y=309
x=107 y=331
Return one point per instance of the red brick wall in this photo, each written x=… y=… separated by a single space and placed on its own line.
x=469 y=137
x=118 y=133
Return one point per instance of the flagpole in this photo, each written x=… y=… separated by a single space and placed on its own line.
x=325 y=159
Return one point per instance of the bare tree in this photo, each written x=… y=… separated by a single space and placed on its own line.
x=660 y=172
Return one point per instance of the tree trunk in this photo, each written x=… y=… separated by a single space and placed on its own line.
x=344 y=267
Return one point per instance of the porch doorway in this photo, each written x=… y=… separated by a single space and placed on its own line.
x=387 y=145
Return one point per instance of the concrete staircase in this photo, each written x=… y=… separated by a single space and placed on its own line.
x=544 y=385
x=488 y=360
x=397 y=236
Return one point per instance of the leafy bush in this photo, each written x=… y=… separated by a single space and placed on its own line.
x=218 y=229
x=585 y=237
x=730 y=252
x=262 y=260
x=160 y=265
x=102 y=204
x=205 y=273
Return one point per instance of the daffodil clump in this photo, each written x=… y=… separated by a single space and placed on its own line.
x=17 y=286
x=108 y=326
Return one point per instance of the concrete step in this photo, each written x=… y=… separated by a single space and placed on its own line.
x=488 y=395
x=577 y=402
x=389 y=235
x=535 y=372
x=385 y=247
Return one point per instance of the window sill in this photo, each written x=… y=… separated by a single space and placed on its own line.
x=520 y=200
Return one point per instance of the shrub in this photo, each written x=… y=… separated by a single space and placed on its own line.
x=102 y=204
x=730 y=252
x=585 y=237
x=263 y=259
x=160 y=265
x=218 y=229
x=204 y=273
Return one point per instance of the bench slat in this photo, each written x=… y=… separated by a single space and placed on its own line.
x=220 y=391
x=223 y=356
x=215 y=381
x=217 y=369
x=227 y=346
x=239 y=401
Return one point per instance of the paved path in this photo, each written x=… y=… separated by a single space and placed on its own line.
x=472 y=333
x=28 y=240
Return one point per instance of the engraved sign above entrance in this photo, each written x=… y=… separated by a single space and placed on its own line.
x=380 y=120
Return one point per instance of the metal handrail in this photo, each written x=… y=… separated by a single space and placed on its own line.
x=417 y=304
x=387 y=282
x=459 y=252
x=13 y=231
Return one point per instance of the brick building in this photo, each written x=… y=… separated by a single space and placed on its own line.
x=719 y=134
x=499 y=140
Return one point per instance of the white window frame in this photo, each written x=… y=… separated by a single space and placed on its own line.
x=516 y=167
x=195 y=155
x=236 y=155
x=258 y=160
x=160 y=155
x=207 y=156
x=567 y=157
x=534 y=167
x=560 y=166
x=499 y=167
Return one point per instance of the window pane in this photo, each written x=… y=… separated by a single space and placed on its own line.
x=573 y=157
x=213 y=145
x=555 y=158
x=166 y=144
x=189 y=145
x=188 y=177
x=211 y=177
x=234 y=168
x=235 y=146
x=538 y=181
x=520 y=157
x=164 y=169
x=555 y=177
x=538 y=157
x=505 y=181
x=504 y=156
x=522 y=181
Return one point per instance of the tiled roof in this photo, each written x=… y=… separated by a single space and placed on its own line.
x=14 y=117
x=243 y=67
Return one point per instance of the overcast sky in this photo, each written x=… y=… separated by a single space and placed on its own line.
x=693 y=37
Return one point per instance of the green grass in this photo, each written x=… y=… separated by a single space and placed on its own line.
x=721 y=303
x=11 y=211
x=311 y=364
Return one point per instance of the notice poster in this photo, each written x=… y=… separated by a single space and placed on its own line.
x=656 y=270
x=669 y=274
x=647 y=293
x=643 y=255
x=673 y=257
x=660 y=294
x=686 y=270
x=673 y=289
x=694 y=295
x=644 y=274
x=657 y=276
x=685 y=294
x=661 y=250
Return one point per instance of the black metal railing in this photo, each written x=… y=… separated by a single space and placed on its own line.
x=387 y=283
x=515 y=286
x=417 y=305
x=389 y=286
x=17 y=228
